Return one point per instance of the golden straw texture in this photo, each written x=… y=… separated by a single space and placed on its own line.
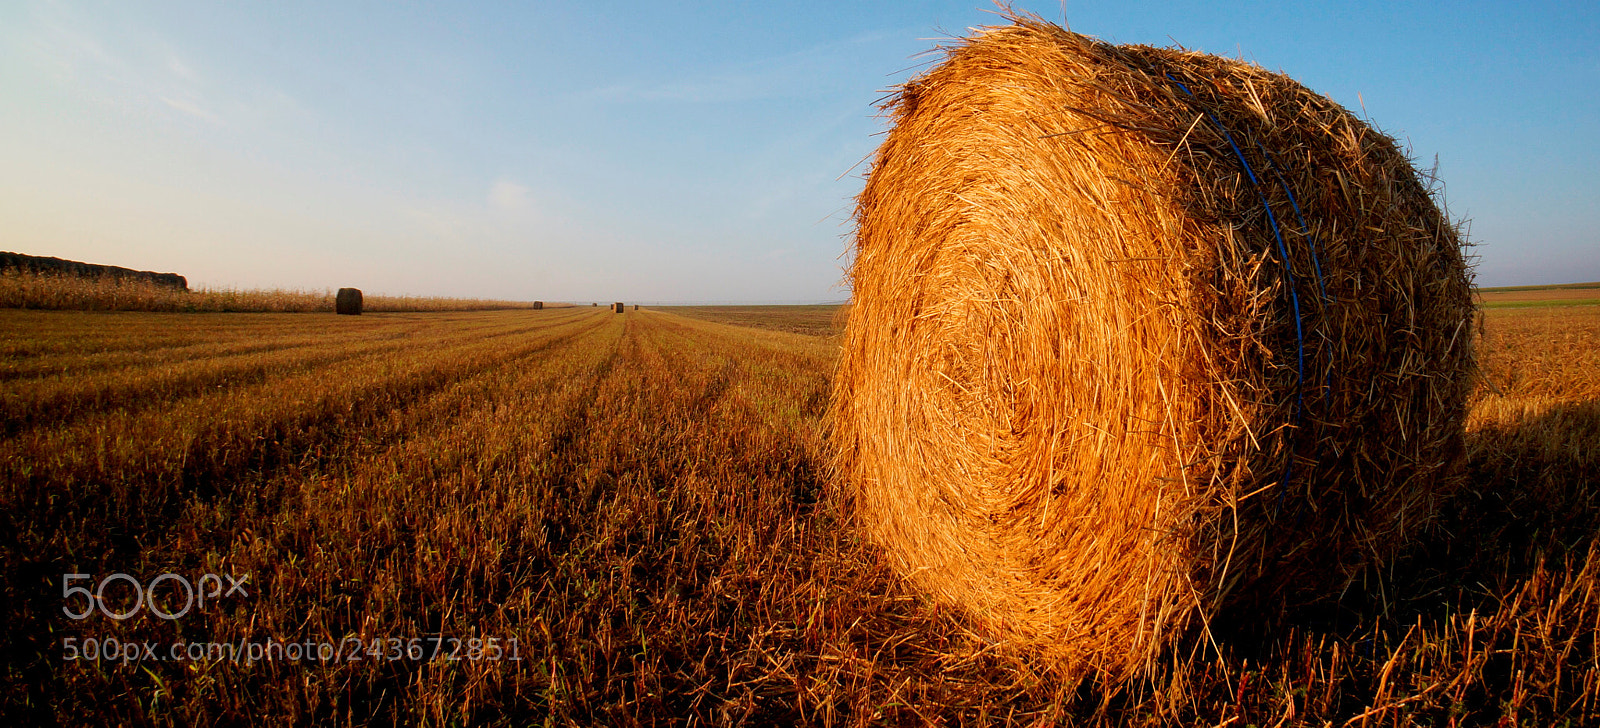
x=1079 y=396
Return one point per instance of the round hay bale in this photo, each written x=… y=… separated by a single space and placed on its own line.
x=347 y=302
x=1138 y=337
x=538 y=305
x=617 y=307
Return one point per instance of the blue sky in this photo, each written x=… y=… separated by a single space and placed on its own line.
x=668 y=151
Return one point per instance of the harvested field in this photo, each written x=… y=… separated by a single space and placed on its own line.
x=642 y=503
x=1575 y=294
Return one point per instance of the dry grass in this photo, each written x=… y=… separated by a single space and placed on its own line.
x=642 y=502
x=1100 y=386
x=21 y=289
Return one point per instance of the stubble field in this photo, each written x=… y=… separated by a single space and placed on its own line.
x=632 y=516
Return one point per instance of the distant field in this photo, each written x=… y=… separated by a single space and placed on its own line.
x=633 y=513
x=57 y=292
x=821 y=320
x=1571 y=294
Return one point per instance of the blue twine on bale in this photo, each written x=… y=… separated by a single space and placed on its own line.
x=1316 y=264
x=1288 y=273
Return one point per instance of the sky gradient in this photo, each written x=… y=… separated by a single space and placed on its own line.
x=669 y=152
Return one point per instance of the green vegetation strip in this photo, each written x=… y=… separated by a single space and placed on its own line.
x=1542 y=304
x=1557 y=287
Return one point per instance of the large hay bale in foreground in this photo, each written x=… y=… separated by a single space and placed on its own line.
x=617 y=307
x=348 y=302
x=538 y=305
x=1139 y=337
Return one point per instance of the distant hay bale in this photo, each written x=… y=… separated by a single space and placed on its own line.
x=635 y=306
x=348 y=302
x=1141 y=337
x=538 y=305
x=595 y=304
x=617 y=307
